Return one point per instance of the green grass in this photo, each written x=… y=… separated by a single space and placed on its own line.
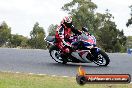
x=13 y=80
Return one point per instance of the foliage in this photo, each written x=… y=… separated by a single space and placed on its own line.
x=37 y=37
x=111 y=38
x=18 y=40
x=129 y=42
x=130 y=19
x=14 y=40
x=52 y=28
x=5 y=33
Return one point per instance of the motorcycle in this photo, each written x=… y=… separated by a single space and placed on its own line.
x=86 y=50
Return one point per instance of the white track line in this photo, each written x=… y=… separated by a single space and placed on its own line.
x=31 y=73
x=34 y=74
x=41 y=74
x=17 y=72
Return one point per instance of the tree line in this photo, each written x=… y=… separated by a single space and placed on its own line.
x=14 y=40
x=84 y=14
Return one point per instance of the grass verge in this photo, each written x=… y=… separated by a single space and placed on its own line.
x=21 y=80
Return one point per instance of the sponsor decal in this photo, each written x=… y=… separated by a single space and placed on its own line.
x=83 y=78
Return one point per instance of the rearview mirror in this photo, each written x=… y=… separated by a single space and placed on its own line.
x=85 y=29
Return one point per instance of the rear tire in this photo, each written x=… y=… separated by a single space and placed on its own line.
x=55 y=54
x=103 y=59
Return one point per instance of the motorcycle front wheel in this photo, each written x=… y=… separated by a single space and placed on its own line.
x=56 y=55
x=102 y=59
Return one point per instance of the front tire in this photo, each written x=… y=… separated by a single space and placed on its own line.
x=103 y=59
x=56 y=55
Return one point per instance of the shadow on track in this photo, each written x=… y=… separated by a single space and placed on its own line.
x=76 y=65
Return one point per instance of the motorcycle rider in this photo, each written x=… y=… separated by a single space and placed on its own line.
x=63 y=34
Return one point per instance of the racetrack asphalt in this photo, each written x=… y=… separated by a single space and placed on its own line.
x=40 y=62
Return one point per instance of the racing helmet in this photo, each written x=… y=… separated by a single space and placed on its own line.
x=67 y=21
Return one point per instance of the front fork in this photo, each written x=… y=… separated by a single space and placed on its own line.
x=93 y=55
